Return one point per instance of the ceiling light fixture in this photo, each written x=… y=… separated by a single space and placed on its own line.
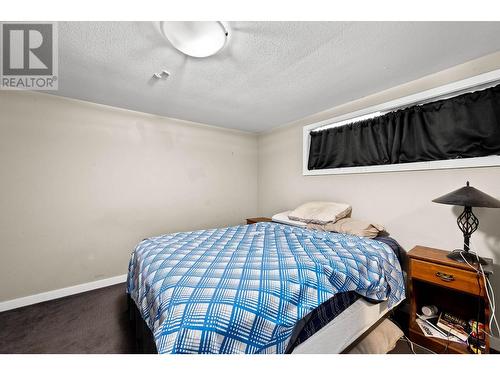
x=196 y=38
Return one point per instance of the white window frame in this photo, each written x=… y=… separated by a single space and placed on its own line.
x=449 y=90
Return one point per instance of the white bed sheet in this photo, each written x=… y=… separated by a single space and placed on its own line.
x=344 y=329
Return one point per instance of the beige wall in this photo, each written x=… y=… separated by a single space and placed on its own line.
x=399 y=200
x=81 y=184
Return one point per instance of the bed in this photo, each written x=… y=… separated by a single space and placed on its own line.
x=260 y=288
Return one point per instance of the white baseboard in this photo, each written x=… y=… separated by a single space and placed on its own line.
x=58 y=293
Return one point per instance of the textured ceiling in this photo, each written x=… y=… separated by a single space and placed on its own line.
x=270 y=73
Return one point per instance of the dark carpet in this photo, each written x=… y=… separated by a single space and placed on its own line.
x=402 y=347
x=91 y=322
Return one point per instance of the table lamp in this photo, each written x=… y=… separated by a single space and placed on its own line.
x=467 y=197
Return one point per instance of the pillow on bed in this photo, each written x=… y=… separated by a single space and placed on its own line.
x=320 y=212
x=379 y=341
x=351 y=226
x=282 y=218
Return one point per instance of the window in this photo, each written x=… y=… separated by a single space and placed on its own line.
x=412 y=133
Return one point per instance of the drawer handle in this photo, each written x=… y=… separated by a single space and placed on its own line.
x=444 y=276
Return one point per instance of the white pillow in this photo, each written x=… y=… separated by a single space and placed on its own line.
x=282 y=218
x=320 y=212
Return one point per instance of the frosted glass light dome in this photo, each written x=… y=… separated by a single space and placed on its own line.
x=196 y=38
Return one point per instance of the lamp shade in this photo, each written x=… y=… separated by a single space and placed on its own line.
x=469 y=197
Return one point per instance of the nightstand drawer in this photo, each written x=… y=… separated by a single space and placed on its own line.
x=446 y=276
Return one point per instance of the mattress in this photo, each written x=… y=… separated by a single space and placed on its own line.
x=242 y=289
x=345 y=328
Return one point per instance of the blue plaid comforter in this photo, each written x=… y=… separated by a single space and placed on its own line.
x=242 y=289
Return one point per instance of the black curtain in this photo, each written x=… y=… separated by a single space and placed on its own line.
x=464 y=126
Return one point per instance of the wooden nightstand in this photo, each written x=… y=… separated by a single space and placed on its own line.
x=453 y=287
x=253 y=220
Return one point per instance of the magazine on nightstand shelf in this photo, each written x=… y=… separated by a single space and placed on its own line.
x=456 y=326
x=430 y=330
